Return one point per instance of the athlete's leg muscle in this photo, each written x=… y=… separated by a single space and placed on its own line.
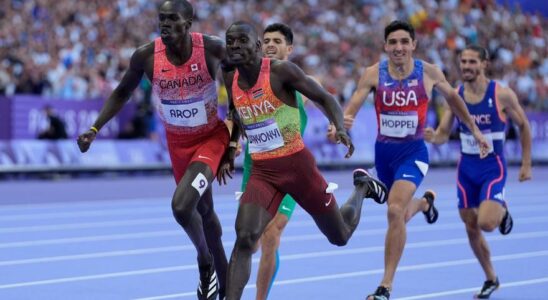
x=184 y=204
x=399 y=197
x=338 y=225
x=250 y=224
x=490 y=215
x=270 y=241
x=213 y=232
x=414 y=206
x=477 y=242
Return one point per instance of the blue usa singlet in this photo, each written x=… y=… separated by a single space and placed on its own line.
x=401 y=106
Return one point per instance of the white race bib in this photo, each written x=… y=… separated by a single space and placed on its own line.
x=264 y=136
x=187 y=113
x=469 y=145
x=398 y=126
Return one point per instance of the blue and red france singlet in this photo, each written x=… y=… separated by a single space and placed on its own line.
x=481 y=179
x=489 y=119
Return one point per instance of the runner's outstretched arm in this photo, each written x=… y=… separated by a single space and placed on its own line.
x=119 y=96
x=226 y=167
x=297 y=80
x=514 y=111
x=441 y=134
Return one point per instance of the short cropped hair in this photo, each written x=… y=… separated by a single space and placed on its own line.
x=283 y=29
x=184 y=7
x=250 y=26
x=399 y=25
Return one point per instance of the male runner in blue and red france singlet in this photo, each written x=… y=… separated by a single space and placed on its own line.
x=480 y=183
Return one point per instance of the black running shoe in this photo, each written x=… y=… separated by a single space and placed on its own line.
x=506 y=224
x=376 y=189
x=208 y=288
x=431 y=214
x=381 y=293
x=489 y=287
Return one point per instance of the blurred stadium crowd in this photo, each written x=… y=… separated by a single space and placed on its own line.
x=78 y=50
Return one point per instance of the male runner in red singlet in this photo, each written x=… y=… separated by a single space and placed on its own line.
x=182 y=67
x=402 y=86
x=262 y=91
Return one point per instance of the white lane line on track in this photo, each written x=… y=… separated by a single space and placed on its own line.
x=437 y=243
x=164 y=233
x=169 y=220
x=106 y=204
x=8 y=212
x=289 y=257
x=475 y=289
x=442 y=264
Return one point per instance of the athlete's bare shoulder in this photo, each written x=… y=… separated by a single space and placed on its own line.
x=505 y=95
x=143 y=59
x=432 y=71
x=503 y=90
x=370 y=76
x=372 y=69
x=274 y=63
x=283 y=66
x=144 y=51
x=214 y=45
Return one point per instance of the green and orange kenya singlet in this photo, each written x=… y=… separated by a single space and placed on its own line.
x=281 y=163
x=272 y=127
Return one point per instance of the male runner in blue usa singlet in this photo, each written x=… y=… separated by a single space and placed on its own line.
x=402 y=86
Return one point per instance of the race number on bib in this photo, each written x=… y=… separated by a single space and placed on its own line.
x=469 y=145
x=187 y=113
x=264 y=136
x=398 y=126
